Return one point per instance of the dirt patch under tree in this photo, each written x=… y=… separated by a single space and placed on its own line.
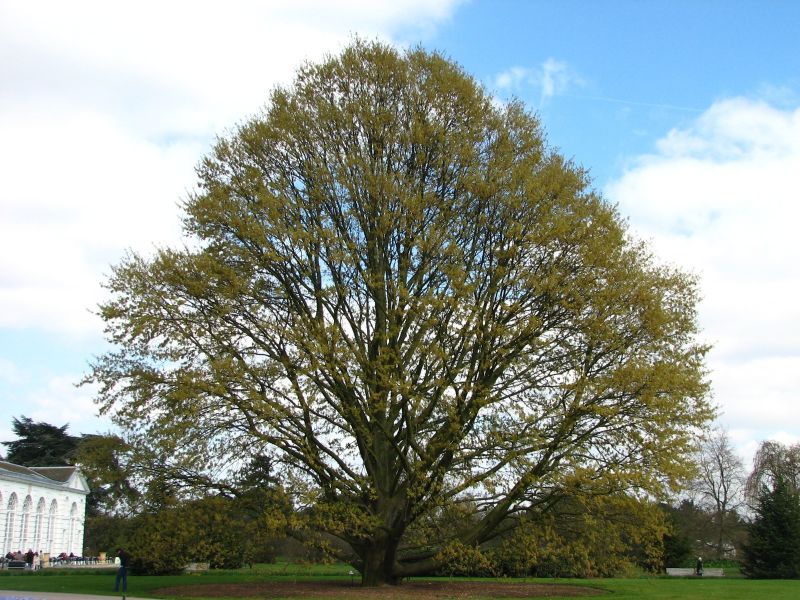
x=425 y=590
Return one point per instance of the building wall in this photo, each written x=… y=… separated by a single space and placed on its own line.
x=42 y=518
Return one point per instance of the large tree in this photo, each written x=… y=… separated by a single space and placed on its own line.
x=720 y=486
x=396 y=289
x=771 y=462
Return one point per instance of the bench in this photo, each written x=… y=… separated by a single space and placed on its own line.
x=17 y=564
x=196 y=567
x=675 y=572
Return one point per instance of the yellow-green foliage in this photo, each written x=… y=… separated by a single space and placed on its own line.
x=159 y=543
x=213 y=530
x=403 y=294
x=586 y=537
x=462 y=560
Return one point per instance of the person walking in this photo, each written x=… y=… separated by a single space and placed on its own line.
x=122 y=572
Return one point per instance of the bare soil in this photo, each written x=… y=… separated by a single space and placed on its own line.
x=416 y=590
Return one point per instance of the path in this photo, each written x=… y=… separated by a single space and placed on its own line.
x=20 y=595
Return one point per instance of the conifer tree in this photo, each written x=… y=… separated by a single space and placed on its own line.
x=41 y=444
x=773 y=550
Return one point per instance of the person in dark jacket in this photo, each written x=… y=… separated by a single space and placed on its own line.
x=122 y=572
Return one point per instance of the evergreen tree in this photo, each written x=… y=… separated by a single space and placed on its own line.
x=773 y=550
x=41 y=444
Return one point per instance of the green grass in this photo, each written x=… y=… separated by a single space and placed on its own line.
x=699 y=589
x=647 y=588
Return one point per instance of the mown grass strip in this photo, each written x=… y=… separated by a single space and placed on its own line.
x=101 y=582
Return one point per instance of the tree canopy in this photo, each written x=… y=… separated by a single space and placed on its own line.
x=773 y=461
x=41 y=444
x=394 y=288
x=104 y=462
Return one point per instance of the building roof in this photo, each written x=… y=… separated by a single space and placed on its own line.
x=18 y=470
x=61 y=474
x=69 y=477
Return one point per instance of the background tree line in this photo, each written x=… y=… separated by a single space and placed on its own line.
x=167 y=518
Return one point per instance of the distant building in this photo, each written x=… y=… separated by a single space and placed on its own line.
x=43 y=508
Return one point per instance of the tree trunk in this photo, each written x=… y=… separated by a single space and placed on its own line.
x=721 y=537
x=378 y=566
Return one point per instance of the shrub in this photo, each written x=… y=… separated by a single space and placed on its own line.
x=159 y=543
x=214 y=530
x=595 y=536
x=458 y=559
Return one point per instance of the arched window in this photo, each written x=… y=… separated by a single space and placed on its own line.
x=11 y=512
x=3 y=538
x=50 y=530
x=24 y=524
x=73 y=527
x=37 y=524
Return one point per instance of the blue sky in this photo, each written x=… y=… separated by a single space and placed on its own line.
x=687 y=115
x=631 y=70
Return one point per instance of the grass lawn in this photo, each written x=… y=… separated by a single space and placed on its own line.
x=655 y=588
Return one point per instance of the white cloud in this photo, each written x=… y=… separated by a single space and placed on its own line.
x=555 y=77
x=10 y=374
x=59 y=401
x=552 y=77
x=80 y=192
x=733 y=129
x=720 y=199
x=56 y=401
x=513 y=77
x=105 y=108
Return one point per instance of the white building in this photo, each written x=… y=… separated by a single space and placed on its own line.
x=43 y=508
